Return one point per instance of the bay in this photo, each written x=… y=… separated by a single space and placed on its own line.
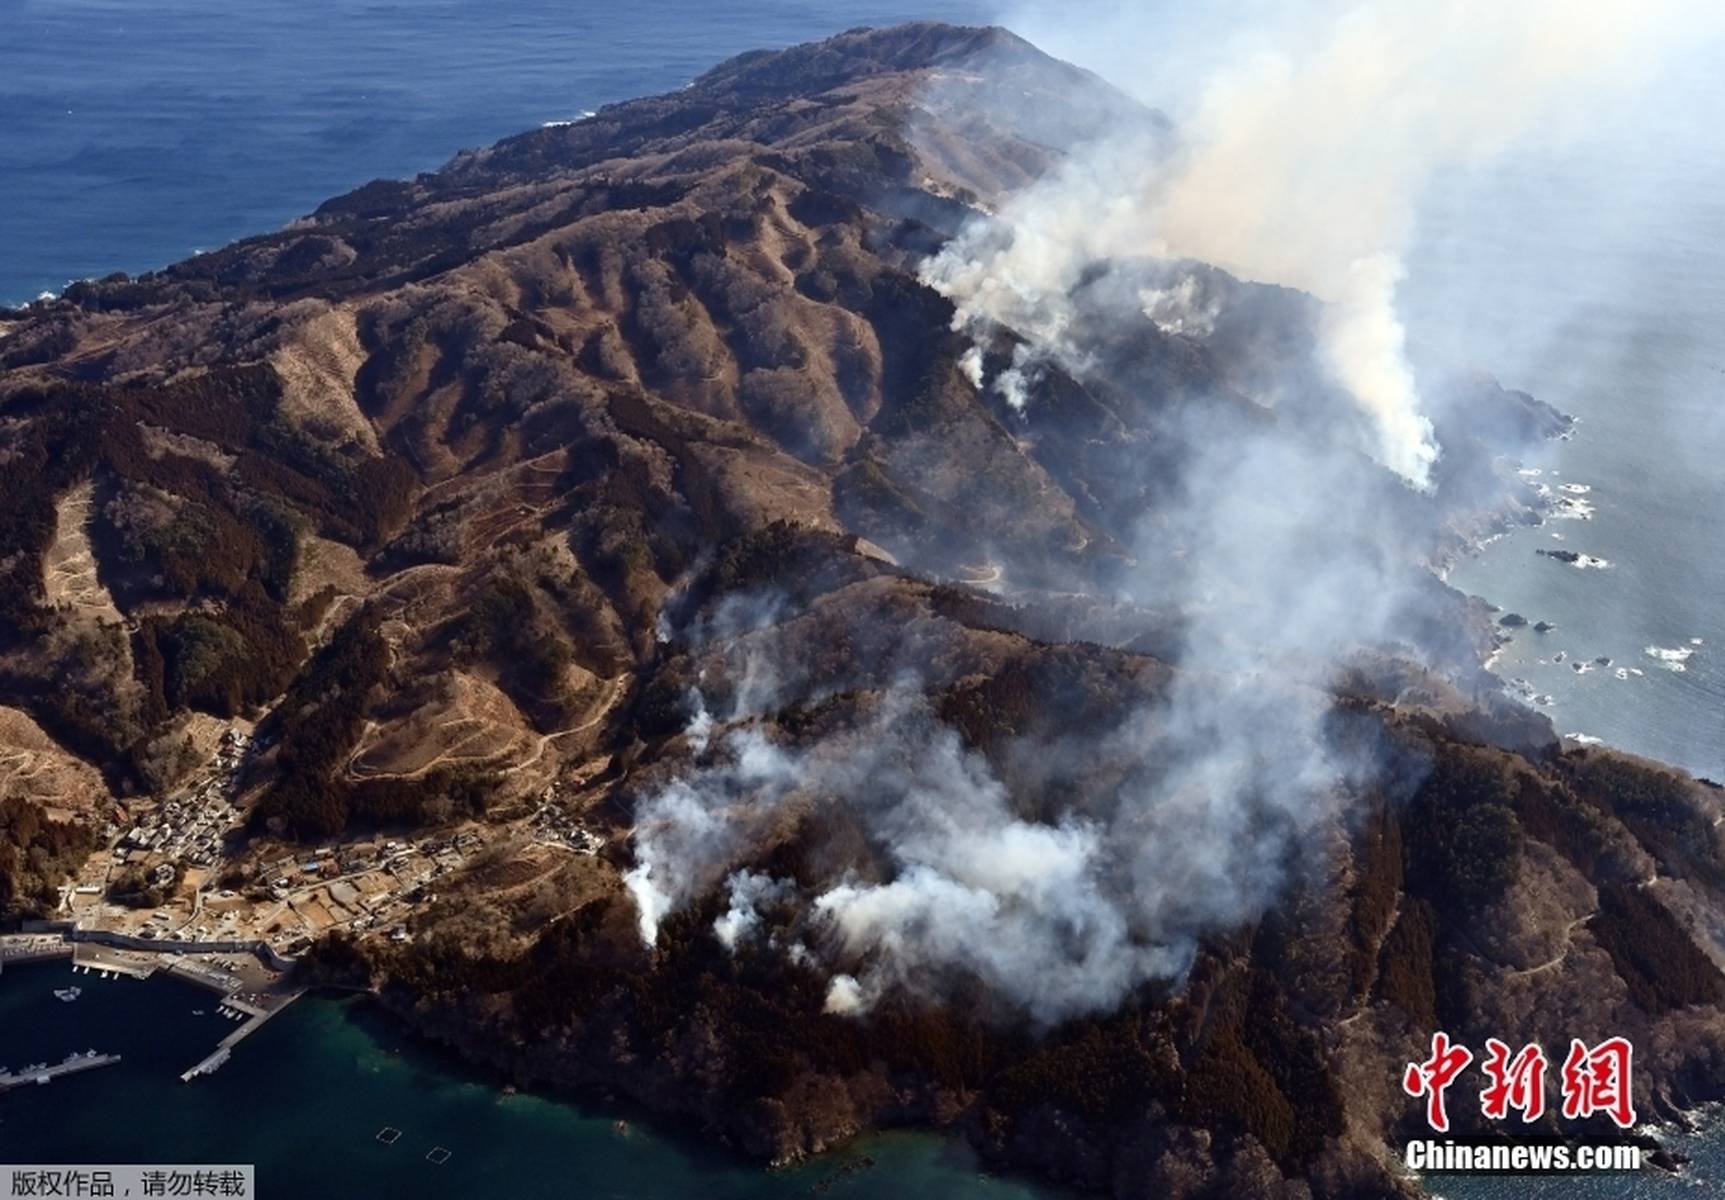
x=305 y=1096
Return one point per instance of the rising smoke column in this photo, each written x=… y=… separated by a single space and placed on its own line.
x=1228 y=779
x=1047 y=916
x=1300 y=164
x=1302 y=154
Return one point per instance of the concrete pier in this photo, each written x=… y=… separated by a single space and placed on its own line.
x=106 y=953
x=224 y=1048
x=71 y=1065
x=208 y=1066
x=93 y=959
x=19 y=951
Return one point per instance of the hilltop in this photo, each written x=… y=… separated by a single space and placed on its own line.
x=519 y=495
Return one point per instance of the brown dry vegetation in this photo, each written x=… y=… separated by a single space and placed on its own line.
x=423 y=481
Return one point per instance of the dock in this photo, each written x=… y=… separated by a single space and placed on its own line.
x=209 y=1064
x=17 y=949
x=107 y=965
x=72 y=1064
x=224 y=1049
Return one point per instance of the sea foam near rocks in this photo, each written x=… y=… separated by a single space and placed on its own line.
x=1672 y=658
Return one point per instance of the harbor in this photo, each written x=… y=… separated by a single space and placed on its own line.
x=254 y=1019
x=249 y=981
x=308 y=1095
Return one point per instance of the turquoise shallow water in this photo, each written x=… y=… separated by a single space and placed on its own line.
x=304 y=1097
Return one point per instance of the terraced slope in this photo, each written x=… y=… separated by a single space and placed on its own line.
x=612 y=454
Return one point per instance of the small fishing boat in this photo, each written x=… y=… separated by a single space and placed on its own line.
x=68 y=994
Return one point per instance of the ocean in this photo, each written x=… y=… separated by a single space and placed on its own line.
x=1591 y=273
x=305 y=1097
x=135 y=132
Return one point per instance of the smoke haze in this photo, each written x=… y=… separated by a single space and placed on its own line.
x=1222 y=786
x=1301 y=150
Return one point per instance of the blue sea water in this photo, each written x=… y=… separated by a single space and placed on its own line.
x=134 y=132
x=1591 y=273
x=304 y=1098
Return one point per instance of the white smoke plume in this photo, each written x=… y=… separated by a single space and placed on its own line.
x=1229 y=780
x=1047 y=916
x=1299 y=161
x=748 y=890
x=1301 y=156
x=694 y=829
x=1179 y=308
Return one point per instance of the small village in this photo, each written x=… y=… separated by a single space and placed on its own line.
x=180 y=887
x=183 y=871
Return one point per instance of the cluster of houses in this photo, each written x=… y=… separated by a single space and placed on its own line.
x=361 y=885
x=365 y=885
x=557 y=826
x=189 y=828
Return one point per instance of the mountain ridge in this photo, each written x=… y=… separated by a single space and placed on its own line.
x=555 y=477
